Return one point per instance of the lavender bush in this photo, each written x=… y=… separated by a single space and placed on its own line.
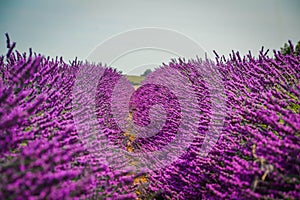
x=42 y=156
x=258 y=153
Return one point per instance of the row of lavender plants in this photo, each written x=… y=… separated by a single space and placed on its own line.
x=41 y=154
x=257 y=155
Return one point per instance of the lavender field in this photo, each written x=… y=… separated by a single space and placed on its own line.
x=43 y=154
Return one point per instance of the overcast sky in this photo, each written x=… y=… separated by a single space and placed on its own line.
x=72 y=28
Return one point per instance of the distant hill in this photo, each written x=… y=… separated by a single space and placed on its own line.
x=135 y=80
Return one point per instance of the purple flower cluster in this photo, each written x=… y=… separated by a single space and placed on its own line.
x=258 y=153
x=42 y=155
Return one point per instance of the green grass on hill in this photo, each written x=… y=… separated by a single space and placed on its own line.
x=135 y=80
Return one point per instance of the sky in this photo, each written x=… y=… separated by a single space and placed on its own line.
x=73 y=28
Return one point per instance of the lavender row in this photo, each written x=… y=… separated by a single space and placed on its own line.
x=42 y=153
x=258 y=153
